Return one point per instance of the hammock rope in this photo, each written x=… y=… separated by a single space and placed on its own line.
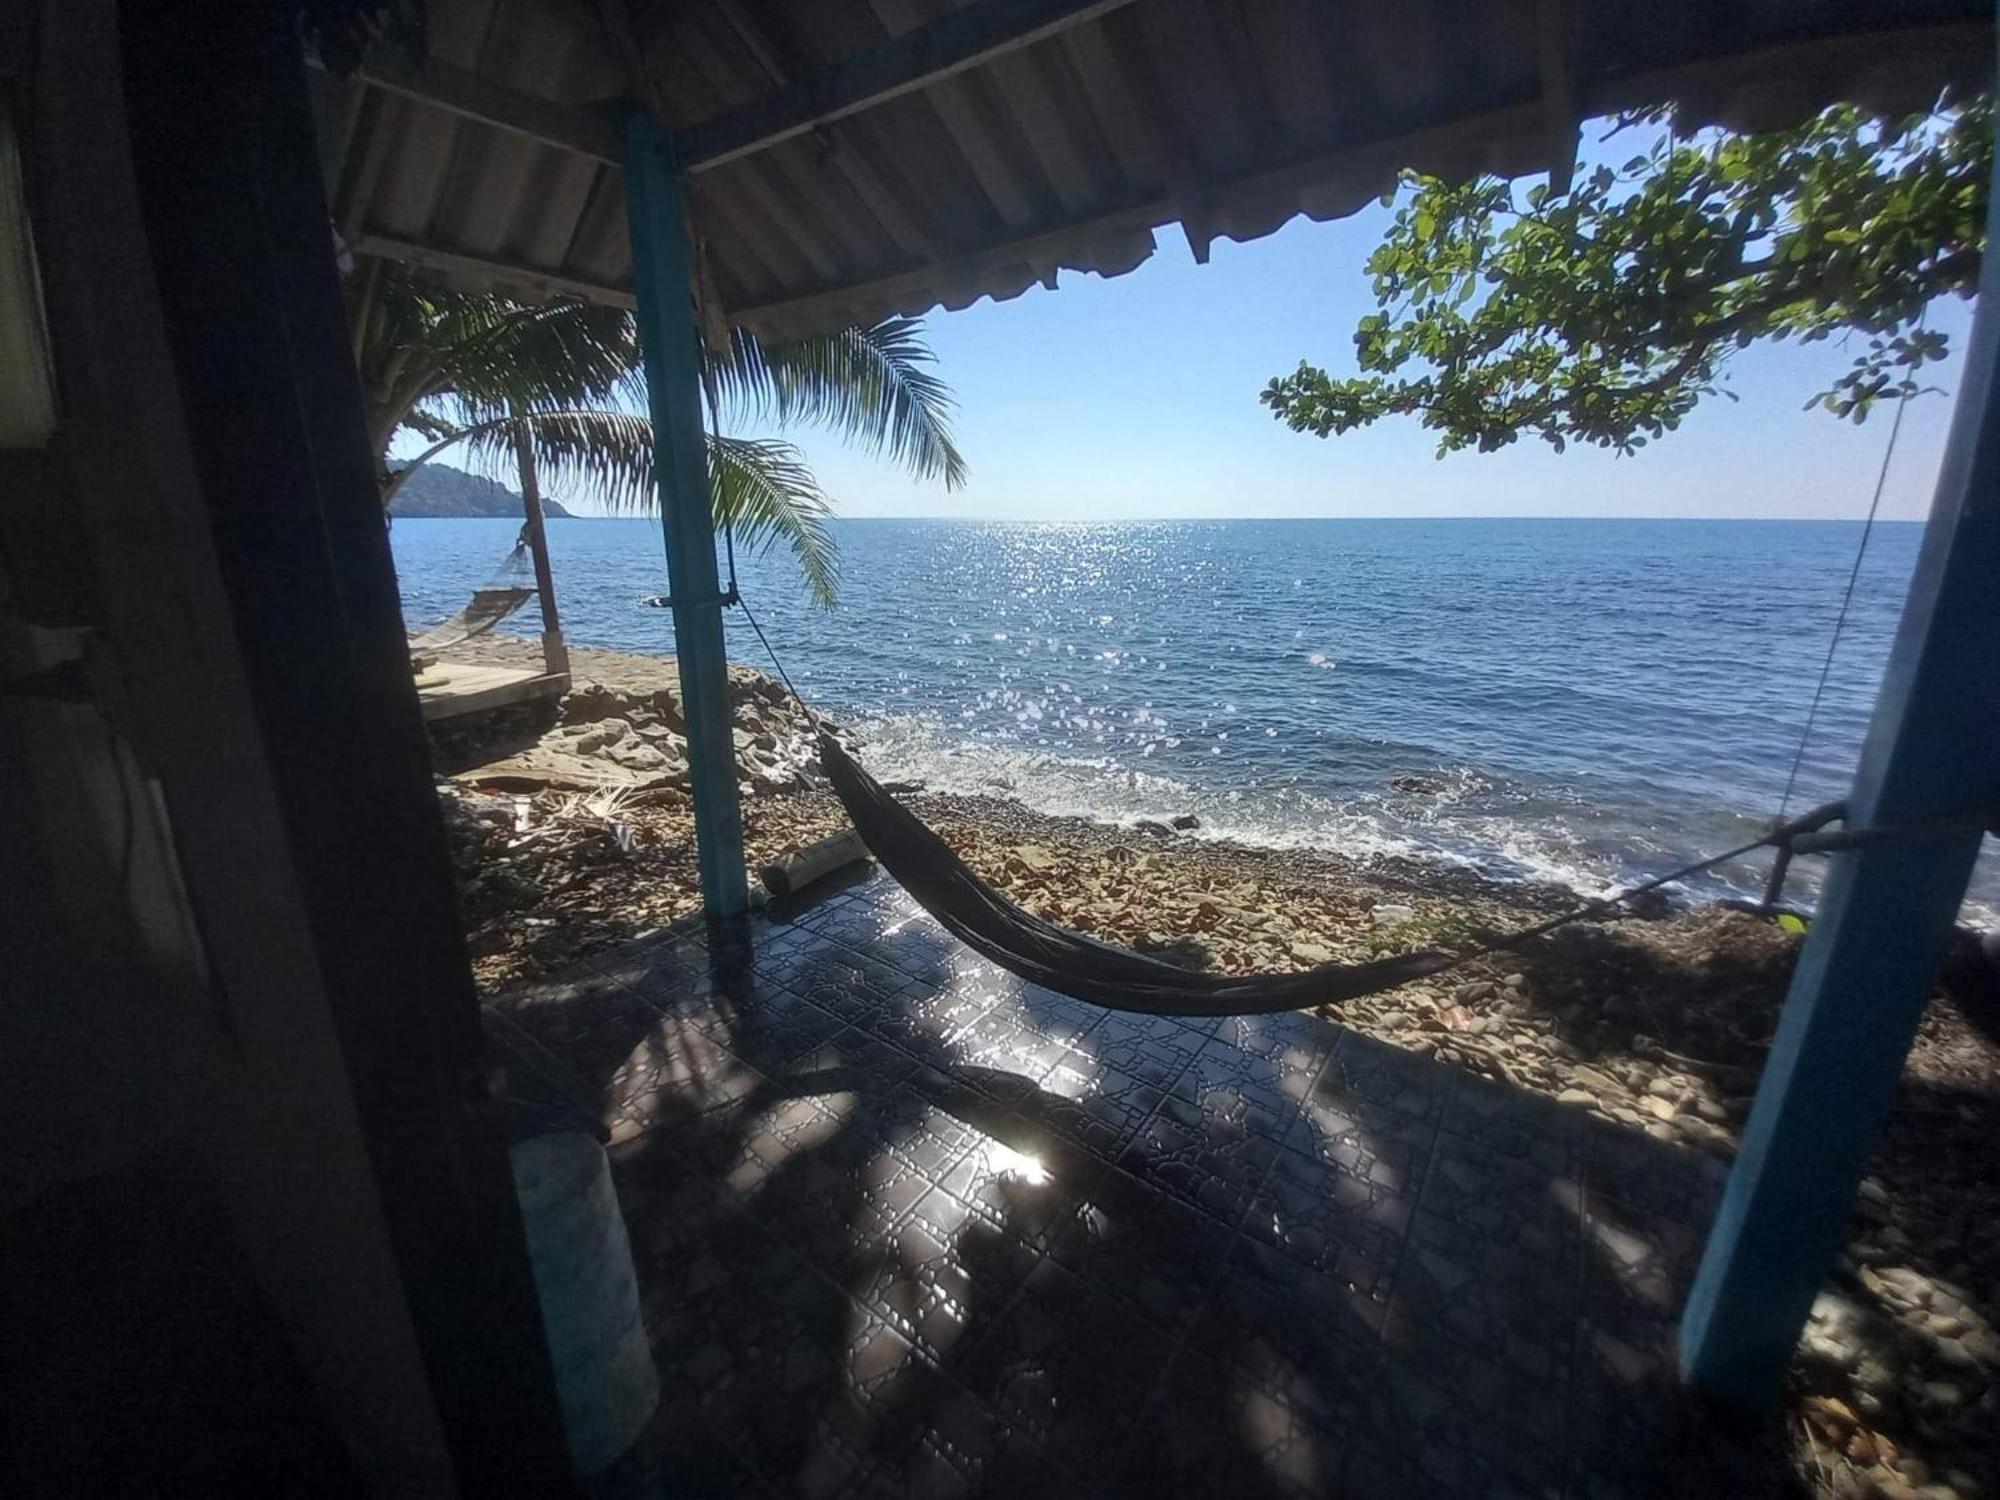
x=1088 y=969
x=1847 y=595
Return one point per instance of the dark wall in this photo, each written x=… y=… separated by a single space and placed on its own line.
x=241 y=255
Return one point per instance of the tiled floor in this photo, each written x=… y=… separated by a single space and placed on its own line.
x=905 y=1225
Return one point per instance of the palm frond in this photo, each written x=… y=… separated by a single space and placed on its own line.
x=565 y=355
x=606 y=456
x=761 y=487
x=764 y=487
x=463 y=368
x=870 y=385
x=417 y=343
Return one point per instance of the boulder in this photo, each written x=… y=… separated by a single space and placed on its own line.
x=1031 y=859
x=635 y=754
x=591 y=702
x=599 y=735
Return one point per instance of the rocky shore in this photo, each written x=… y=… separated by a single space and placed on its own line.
x=571 y=835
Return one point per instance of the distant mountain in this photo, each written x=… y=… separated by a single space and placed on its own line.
x=440 y=490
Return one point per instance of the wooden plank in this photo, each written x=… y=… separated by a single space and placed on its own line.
x=478 y=690
x=664 y=277
x=582 y=129
x=1884 y=919
x=530 y=279
x=1555 y=32
x=901 y=65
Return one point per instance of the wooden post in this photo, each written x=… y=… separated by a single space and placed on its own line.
x=662 y=276
x=555 y=656
x=1932 y=756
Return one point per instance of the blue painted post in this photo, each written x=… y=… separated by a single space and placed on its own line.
x=1933 y=754
x=662 y=279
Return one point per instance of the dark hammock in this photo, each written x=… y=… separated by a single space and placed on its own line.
x=1069 y=962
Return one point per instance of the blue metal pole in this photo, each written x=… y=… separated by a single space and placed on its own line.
x=662 y=278
x=1932 y=755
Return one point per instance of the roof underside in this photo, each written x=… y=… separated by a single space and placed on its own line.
x=831 y=184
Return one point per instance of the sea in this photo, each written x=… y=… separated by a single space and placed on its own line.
x=1584 y=701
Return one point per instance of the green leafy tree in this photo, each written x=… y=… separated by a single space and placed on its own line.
x=1606 y=314
x=467 y=370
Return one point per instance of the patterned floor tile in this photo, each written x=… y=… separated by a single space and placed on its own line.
x=1500 y=1191
x=851 y=1061
x=1069 y=1368
x=1019 y=1177
x=1514 y=1120
x=1637 y=1267
x=1369 y=1141
x=659 y=968
x=967 y=1450
x=1180 y=1151
x=1486 y=1321
x=1238 y=1091
x=1153 y=1049
x=1421 y=1438
x=1365 y=1069
x=1094 y=1104
x=943 y=1277
x=581 y=1015
x=1208 y=1431
x=774 y=1029
x=1157 y=1256
x=1337 y=1223
x=907 y=1225
x=673 y=1069
x=1627 y=1166
x=843 y=981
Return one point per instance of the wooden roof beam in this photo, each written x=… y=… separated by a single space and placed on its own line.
x=583 y=129
x=530 y=280
x=901 y=65
x=1555 y=36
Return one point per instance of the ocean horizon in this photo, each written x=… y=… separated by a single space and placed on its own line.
x=1588 y=701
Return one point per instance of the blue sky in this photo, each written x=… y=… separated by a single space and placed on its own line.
x=1137 y=397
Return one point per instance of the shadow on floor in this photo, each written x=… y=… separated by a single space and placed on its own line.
x=907 y=1225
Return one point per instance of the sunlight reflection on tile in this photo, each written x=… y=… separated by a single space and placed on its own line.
x=1004 y=1161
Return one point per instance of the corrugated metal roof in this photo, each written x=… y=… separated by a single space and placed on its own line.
x=1066 y=154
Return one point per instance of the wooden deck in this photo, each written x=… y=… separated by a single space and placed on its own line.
x=448 y=689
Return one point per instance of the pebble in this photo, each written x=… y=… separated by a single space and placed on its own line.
x=1576 y=1097
x=1943 y=1393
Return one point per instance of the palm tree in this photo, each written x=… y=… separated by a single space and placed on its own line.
x=460 y=368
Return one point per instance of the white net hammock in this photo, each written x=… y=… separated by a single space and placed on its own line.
x=493 y=601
